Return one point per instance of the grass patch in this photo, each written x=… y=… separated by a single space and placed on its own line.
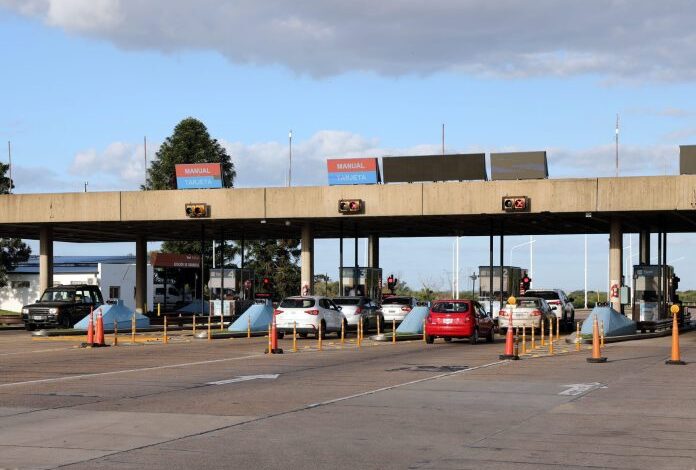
x=7 y=312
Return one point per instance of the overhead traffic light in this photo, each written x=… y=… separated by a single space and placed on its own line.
x=515 y=203
x=350 y=206
x=266 y=283
x=525 y=284
x=392 y=282
x=196 y=210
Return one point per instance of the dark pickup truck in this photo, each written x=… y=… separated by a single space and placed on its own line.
x=62 y=306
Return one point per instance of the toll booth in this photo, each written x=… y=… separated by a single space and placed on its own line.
x=362 y=281
x=654 y=291
x=489 y=295
x=237 y=283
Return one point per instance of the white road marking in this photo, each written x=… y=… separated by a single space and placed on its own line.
x=127 y=371
x=245 y=378
x=579 y=389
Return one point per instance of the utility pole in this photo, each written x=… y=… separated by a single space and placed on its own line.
x=617 y=145
x=9 y=157
x=290 y=158
x=145 y=152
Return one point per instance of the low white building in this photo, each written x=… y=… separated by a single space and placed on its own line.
x=115 y=276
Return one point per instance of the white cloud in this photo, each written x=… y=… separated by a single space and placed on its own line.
x=119 y=166
x=641 y=39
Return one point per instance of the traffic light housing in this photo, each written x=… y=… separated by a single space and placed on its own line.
x=515 y=203
x=266 y=283
x=526 y=283
x=196 y=210
x=350 y=206
x=392 y=282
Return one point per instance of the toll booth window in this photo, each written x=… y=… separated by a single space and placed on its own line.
x=114 y=292
x=297 y=303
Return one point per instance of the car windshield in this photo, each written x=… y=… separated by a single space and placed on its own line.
x=297 y=302
x=450 y=307
x=528 y=303
x=546 y=294
x=62 y=295
x=347 y=301
x=397 y=301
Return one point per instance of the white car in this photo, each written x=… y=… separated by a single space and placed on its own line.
x=355 y=308
x=527 y=313
x=561 y=305
x=306 y=313
x=396 y=308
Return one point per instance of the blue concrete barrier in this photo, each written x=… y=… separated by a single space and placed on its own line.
x=115 y=313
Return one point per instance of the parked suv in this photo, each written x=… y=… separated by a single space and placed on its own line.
x=62 y=306
x=561 y=305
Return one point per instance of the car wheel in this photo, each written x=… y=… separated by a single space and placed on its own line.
x=65 y=322
x=502 y=331
x=429 y=339
x=380 y=319
x=29 y=327
x=302 y=335
x=280 y=334
x=490 y=337
x=473 y=339
x=447 y=339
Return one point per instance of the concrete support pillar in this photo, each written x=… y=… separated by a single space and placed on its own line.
x=140 y=274
x=307 y=261
x=615 y=263
x=373 y=251
x=644 y=242
x=45 y=258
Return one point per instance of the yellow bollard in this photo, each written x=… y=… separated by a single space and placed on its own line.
x=294 y=337
x=558 y=329
x=542 y=342
x=393 y=331
x=115 y=331
x=133 y=329
x=358 y=341
x=601 y=335
x=524 y=340
x=550 y=337
x=158 y=310
x=319 y=338
x=533 y=345
x=378 y=322
x=210 y=336
x=248 y=326
x=194 y=323
x=577 y=338
x=343 y=333
x=165 y=339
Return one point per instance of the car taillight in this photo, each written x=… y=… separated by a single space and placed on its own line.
x=277 y=312
x=314 y=311
x=358 y=310
x=502 y=313
x=405 y=309
x=467 y=318
x=536 y=313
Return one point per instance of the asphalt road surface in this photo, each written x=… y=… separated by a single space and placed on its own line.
x=224 y=404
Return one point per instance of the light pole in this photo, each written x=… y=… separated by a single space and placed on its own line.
x=530 y=242
x=473 y=284
x=290 y=158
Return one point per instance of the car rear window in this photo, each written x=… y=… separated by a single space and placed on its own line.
x=349 y=301
x=297 y=303
x=545 y=294
x=397 y=301
x=528 y=303
x=450 y=307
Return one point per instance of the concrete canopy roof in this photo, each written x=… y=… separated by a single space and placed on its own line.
x=557 y=206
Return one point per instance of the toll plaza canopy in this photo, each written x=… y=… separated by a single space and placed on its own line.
x=471 y=208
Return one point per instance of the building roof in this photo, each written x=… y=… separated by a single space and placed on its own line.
x=72 y=264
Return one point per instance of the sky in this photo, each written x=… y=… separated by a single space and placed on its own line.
x=84 y=82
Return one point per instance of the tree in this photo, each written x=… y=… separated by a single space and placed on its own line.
x=12 y=250
x=189 y=143
x=277 y=260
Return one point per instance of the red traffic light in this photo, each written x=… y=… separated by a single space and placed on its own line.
x=526 y=280
x=266 y=281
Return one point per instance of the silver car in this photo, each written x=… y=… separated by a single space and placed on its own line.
x=355 y=308
x=528 y=312
x=396 y=308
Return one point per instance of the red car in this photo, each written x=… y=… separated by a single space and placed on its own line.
x=458 y=319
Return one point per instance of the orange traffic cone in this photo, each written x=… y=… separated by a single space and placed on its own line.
x=99 y=341
x=676 y=357
x=510 y=352
x=596 y=354
x=273 y=345
x=90 y=329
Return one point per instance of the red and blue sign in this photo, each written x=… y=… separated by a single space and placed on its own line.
x=199 y=176
x=352 y=171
